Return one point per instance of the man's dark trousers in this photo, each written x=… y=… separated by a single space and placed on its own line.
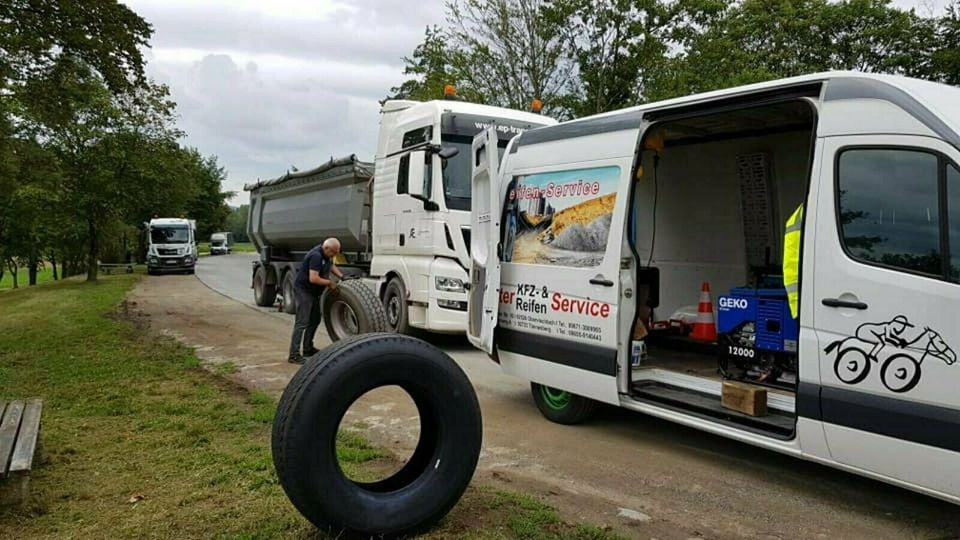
x=307 y=320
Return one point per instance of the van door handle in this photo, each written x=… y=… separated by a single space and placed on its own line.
x=837 y=303
x=600 y=280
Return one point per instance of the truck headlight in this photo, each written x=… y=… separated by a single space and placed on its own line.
x=449 y=284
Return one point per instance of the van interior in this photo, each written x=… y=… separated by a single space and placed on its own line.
x=712 y=194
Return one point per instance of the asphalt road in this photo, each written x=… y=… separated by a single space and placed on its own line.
x=674 y=482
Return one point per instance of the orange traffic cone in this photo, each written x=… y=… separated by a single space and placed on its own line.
x=704 y=329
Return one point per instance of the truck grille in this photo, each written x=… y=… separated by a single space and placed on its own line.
x=166 y=251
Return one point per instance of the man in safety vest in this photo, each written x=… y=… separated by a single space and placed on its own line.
x=791 y=260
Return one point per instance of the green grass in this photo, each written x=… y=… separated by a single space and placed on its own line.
x=23 y=277
x=127 y=415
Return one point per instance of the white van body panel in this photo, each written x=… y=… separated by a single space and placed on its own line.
x=853 y=108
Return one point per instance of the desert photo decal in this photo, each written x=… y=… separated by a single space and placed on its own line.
x=560 y=218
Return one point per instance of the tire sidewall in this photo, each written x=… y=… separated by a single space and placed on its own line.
x=289 y=295
x=395 y=289
x=324 y=494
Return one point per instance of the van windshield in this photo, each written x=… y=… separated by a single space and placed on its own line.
x=458 y=170
x=169 y=235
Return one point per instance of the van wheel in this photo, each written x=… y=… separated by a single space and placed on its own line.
x=561 y=406
x=312 y=408
x=289 y=296
x=352 y=309
x=395 y=305
x=264 y=294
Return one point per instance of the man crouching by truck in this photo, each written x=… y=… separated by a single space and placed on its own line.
x=312 y=279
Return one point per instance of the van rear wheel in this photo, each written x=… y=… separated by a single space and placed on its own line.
x=561 y=406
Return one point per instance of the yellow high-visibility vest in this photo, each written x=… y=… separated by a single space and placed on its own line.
x=791 y=259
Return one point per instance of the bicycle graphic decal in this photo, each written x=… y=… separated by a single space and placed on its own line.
x=897 y=346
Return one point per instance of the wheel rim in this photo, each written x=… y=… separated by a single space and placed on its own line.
x=555 y=399
x=393 y=311
x=343 y=319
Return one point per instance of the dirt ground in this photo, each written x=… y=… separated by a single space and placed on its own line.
x=643 y=477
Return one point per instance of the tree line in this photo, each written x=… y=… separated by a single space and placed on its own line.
x=589 y=56
x=89 y=148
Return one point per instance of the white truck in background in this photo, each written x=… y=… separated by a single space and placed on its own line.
x=171 y=245
x=403 y=221
x=220 y=243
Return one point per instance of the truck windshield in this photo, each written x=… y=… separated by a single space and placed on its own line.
x=457 y=171
x=169 y=235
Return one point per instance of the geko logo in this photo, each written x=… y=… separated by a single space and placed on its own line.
x=733 y=303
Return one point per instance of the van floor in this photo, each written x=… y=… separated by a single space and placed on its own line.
x=697 y=364
x=692 y=362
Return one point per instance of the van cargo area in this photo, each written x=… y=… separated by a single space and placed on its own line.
x=712 y=195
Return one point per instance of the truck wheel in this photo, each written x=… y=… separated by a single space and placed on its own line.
x=264 y=294
x=289 y=297
x=561 y=406
x=352 y=309
x=395 y=305
x=433 y=479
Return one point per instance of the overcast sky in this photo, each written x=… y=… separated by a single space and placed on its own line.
x=269 y=84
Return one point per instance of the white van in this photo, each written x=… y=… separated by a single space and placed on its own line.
x=593 y=232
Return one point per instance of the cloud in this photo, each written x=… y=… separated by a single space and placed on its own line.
x=268 y=85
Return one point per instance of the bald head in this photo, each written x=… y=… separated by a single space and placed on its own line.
x=331 y=247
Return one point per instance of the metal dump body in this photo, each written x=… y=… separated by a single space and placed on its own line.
x=298 y=210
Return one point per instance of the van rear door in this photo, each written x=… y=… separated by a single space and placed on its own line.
x=484 y=240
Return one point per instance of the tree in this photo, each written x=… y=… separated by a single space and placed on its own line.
x=945 y=60
x=237 y=223
x=208 y=205
x=508 y=52
x=432 y=66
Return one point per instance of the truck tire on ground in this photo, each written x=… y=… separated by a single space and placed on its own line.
x=395 y=306
x=264 y=294
x=433 y=479
x=352 y=309
x=289 y=296
x=561 y=406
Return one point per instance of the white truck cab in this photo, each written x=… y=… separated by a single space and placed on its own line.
x=171 y=245
x=421 y=206
x=663 y=225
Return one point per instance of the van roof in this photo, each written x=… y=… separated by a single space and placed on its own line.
x=932 y=102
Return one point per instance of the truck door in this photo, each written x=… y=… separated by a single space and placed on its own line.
x=485 y=227
x=885 y=297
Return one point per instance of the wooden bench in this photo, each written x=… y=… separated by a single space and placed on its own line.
x=111 y=268
x=19 y=435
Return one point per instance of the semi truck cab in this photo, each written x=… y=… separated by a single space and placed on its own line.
x=422 y=197
x=171 y=245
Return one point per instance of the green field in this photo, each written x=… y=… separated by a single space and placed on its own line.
x=139 y=441
x=23 y=277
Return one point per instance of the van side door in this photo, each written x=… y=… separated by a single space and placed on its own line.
x=885 y=300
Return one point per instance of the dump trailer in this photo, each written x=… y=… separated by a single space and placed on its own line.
x=402 y=220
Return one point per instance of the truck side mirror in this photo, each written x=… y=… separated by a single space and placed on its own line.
x=448 y=152
x=417 y=181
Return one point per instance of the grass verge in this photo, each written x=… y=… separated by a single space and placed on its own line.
x=139 y=442
x=23 y=277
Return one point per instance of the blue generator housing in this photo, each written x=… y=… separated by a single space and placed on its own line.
x=775 y=329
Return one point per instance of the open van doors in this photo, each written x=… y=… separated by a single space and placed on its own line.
x=484 y=240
